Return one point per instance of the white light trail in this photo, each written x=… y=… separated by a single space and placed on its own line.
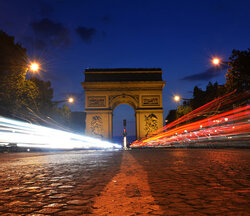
x=34 y=136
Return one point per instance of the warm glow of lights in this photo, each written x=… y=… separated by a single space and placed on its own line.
x=210 y=127
x=71 y=100
x=28 y=135
x=177 y=98
x=216 y=61
x=34 y=67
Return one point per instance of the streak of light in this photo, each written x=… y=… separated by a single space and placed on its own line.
x=205 y=124
x=24 y=134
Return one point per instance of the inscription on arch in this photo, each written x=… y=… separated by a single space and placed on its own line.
x=150 y=100
x=96 y=101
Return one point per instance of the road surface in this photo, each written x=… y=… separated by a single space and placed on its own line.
x=137 y=182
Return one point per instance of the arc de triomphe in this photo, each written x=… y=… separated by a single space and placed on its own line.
x=105 y=89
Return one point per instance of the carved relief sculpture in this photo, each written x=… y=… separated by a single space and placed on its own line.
x=151 y=123
x=112 y=97
x=97 y=126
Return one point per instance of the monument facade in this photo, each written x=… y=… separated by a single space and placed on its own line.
x=105 y=89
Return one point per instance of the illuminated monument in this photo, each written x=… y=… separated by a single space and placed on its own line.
x=105 y=89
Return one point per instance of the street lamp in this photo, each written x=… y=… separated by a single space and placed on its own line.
x=177 y=98
x=216 y=61
x=34 y=67
x=69 y=100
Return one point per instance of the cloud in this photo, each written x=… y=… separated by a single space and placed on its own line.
x=207 y=75
x=51 y=33
x=46 y=9
x=40 y=44
x=37 y=44
x=86 y=34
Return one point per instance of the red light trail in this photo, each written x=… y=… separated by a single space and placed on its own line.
x=224 y=119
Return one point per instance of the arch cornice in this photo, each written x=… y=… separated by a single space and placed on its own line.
x=124 y=86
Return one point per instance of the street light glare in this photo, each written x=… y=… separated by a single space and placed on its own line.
x=34 y=67
x=71 y=100
x=177 y=98
x=216 y=61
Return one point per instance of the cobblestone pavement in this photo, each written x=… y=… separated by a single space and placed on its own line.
x=138 y=182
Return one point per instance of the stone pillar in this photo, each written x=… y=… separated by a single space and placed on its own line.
x=99 y=123
x=147 y=121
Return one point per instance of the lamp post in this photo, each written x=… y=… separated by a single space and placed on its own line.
x=217 y=61
x=177 y=98
x=69 y=100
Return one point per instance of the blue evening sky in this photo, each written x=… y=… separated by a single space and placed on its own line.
x=181 y=37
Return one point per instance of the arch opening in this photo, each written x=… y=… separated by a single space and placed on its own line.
x=121 y=112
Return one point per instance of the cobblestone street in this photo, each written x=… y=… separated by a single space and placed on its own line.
x=137 y=182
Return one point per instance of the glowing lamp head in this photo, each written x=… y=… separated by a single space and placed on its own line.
x=34 y=67
x=71 y=100
x=177 y=98
x=216 y=61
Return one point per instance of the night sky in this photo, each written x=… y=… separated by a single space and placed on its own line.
x=181 y=37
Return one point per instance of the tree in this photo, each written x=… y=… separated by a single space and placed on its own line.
x=238 y=75
x=62 y=115
x=183 y=110
x=45 y=95
x=26 y=99
x=198 y=98
x=171 y=116
x=16 y=93
x=201 y=97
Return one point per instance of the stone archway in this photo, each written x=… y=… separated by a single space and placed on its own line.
x=105 y=89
